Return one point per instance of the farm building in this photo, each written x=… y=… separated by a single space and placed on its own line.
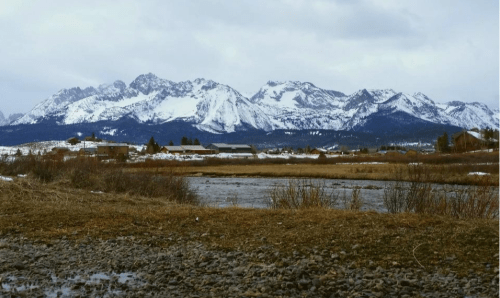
x=88 y=151
x=186 y=149
x=196 y=149
x=229 y=148
x=60 y=150
x=471 y=140
x=173 y=149
x=112 y=151
x=319 y=151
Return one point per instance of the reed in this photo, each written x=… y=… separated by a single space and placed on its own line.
x=301 y=193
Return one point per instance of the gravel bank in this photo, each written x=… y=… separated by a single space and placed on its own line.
x=129 y=267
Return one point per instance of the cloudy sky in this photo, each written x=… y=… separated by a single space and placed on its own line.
x=448 y=50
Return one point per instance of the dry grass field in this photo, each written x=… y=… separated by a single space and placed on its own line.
x=85 y=198
x=50 y=211
x=453 y=174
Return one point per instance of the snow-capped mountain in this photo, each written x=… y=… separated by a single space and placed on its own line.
x=218 y=108
x=204 y=103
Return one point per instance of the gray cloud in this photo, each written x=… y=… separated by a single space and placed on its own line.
x=446 y=49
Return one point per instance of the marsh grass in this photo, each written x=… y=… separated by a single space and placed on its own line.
x=356 y=200
x=478 y=200
x=450 y=174
x=301 y=193
x=91 y=174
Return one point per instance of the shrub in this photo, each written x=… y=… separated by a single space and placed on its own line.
x=301 y=194
x=475 y=201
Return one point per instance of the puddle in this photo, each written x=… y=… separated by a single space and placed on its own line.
x=75 y=285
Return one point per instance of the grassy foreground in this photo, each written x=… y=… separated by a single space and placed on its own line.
x=48 y=211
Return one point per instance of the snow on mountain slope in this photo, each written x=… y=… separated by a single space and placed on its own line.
x=418 y=106
x=470 y=115
x=54 y=106
x=207 y=104
x=298 y=105
x=218 y=108
x=296 y=95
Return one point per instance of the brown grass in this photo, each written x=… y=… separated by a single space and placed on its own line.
x=48 y=211
x=451 y=174
x=303 y=193
x=90 y=174
x=479 y=200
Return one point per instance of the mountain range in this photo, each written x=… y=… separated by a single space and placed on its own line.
x=208 y=107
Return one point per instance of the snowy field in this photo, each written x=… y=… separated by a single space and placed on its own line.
x=48 y=145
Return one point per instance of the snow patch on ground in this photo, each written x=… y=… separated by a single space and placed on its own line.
x=3 y=178
x=478 y=174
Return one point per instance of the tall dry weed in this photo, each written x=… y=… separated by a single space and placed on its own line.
x=301 y=193
x=418 y=196
x=353 y=202
x=91 y=174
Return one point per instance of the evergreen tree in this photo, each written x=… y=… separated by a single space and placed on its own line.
x=170 y=143
x=442 y=143
x=184 y=140
x=189 y=142
x=152 y=146
x=196 y=142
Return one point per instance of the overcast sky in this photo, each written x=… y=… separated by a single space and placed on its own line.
x=449 y=50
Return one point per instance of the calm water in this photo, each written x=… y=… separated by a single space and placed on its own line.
x=254 y=192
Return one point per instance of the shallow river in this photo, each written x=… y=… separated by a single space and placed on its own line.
x=254 y=192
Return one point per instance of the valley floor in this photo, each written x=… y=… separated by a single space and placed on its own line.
x=55 y=238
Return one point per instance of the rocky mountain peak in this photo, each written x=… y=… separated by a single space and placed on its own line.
x=146 y=83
